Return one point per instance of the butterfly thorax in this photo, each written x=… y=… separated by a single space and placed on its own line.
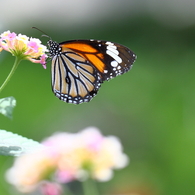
x=54 y=48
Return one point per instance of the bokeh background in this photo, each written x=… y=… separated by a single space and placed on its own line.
x=151 y=108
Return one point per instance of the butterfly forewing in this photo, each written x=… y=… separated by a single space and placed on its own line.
x=110 y=59
x=80 y=66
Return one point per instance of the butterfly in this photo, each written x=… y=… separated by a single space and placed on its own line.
x=79 y=67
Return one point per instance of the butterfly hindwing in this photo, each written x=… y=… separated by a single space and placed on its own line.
x=74 y=80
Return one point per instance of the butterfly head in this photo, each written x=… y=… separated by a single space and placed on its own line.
x=54 y=48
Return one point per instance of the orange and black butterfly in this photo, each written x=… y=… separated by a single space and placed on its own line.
x=80 y=66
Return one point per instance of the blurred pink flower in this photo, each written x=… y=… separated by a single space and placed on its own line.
x=30 y=169
x=23 y=47
x=87 y=154
x=69 y=156
x=50 y=188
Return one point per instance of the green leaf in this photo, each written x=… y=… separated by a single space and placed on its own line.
x=14 y=145
x=6 y=106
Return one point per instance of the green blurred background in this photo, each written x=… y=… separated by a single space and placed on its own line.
x=151 y=108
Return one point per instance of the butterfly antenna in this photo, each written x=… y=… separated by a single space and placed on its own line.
x=44 y=34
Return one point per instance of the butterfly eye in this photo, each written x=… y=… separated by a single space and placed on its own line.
x=80 y=66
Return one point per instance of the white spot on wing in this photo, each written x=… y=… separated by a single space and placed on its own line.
x=113 y=55
x=112 y=46
x=109 y=43
x=114 y=63
x=113 y=49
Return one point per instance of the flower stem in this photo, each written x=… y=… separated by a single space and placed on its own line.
x=66 y=191
x=89 y=187
x=17 y=61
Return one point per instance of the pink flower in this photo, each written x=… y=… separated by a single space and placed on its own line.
x=33 y=46
x=86 y=154
x=68 y=157
x=65 y=176
x=50 y=188
x=42 y=60
x=30 y=169
x=23 y=47
x=9 y=36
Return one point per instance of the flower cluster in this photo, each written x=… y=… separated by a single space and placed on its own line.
x=78 y=156
x=23 y=47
